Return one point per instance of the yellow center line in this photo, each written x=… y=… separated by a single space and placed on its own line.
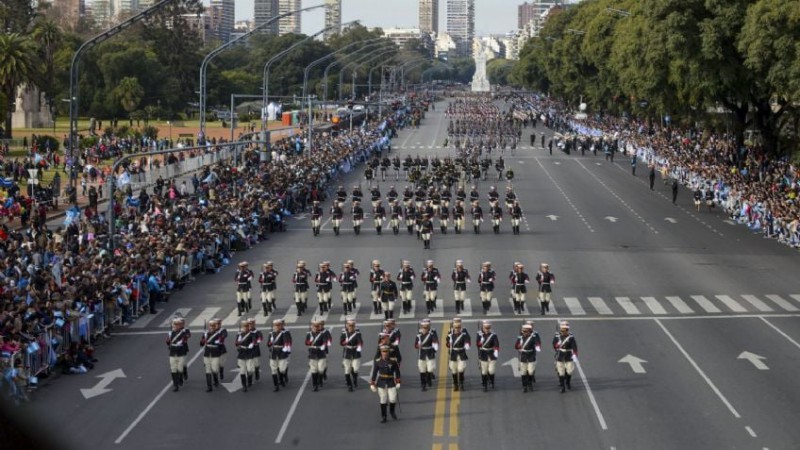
x=453 y=446
x=455 y=403
x=437 y=446
x=441 y=388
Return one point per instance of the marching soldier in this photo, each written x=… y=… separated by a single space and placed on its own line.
x=385 y=380
x=268 y=281
x=444 y=216
x=385 y=163
x=341 y=195
x=243 y=279
x=279 y=344
x=375 y=195
x=317 y=345
x=566 y=348
x=397 y=216
x=431 y=278
x=546 y=280
x=352 y=344
x=419 y=196
x=259 y=338
x=427 y=344
x=316 y=217
x=300 y=282
x=337 y=213
x=392 y=194
x=460 y=277
x=408 y=194
x=375 y=278
x=347 y=281
x=511 y=197
x=324 y=281
x=458 y=216
x=477 y=216
x=493 y=195
x=519 y=280
x=245 y=342
x=446 y=196
x=178 y=344
x=213 y=343
x=474 y=196
x=406 y=278
x=379 y=213
x=458 y=342
x=461 y=194
x=358 y=216
x=426 y=229
x=486 y=280
x=356 y=194
x=411 y=216
x=388 y=295
x=326 y=333
x=528 y=344
x=396 y=165
x=497 y=216
x=390 y=335
x=488 y=349
x=516 y=216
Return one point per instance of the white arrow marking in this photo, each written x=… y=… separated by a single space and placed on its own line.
x=552 y=217
x=557 y=163
x=235 y=384
x=729 y=222
x=367 y=364
x=670 y=220
x=599 y=164
x=635 y=363
x=521 y=162
x=611 y=219
x=100 y=387
x=300 y=216
x=514 y=363
x=755 y=359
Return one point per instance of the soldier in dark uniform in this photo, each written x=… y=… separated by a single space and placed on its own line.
x=347 y=281
x=458 y=216
x=375 y=278
x=426 y=230
x=396 y=216
x=389 y=293
x=406 y=278
x=337 y=213
x=213 y=343
x=486 y=280
x=477 y=217
x=379 y=214
x=385 y=163
x=390 y=335
x=444 y=216
x=427 y=344
x=259 y=338
x=493 y=195
x=352 y=344
x=358 y=216
x=385 y=380
x=474 y=196
x=243 y=279
x=698 y=198
x=178 y=345
x=396 y=165
x=341 y=195
x=316 y=217
x=279 y=343
x=519 y=280
x=528 y=344
x=488 y=349
x=419 y=196
x=446 y=196
x=317 y=356
x=566 y=348
x=328 y=337
x=431 y=278
x=460 y=277
x=268 y=281
x=411 y=216
x=497 y=216
x=510 y=198
x=461 y=194
x=356 y=194
x=408 y=195
x=375 y=195
x=516 y=216
x=458 y=343
x=300 y=282
x=392 y=194
x=245 y=342
x=546 y=280
x=324 y=281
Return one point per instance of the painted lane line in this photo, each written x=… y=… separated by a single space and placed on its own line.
x=782 y=303
x=680 y=305
x=592 y=400
x=600 y=306
x=732 y=304
x=494 y=308
x=706 y=304
x=750 y=431
x=699 y=370
x=654 y=306
x=180 y=312
x=467 y=311
x=441 y=388
x=757 y=303
x=293 y=408
x=795 y=296
x=231 y=319
x=574 y=306
x=788 y=338
x=566 y=197
x=627 y=305
x=153 y=403
x=145 y=319
x=353 y=314
x=291 y=314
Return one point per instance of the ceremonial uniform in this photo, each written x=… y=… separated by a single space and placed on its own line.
x=375 y=278
x=279 y=343
x=243 y=278
x=245 y=357
x=337 y=213
x=426 y=230
x=431 y=278
x=566 y=348
x=411 y=217
x=316 y=217
x=352 y=345
x=347 y=281
x=460 y=277
x=324 y=281
x=388 y=292
x=178 y=344
x=516 y=216
x=356 y=194
x=341 y=195
x=317 y=355
x=488 y=349
x=385 y=380
x=259 y=338
x=528 y=344
x=406 y=278
x=486 y=280
x=358 y=216
x=379 y=213
x=477 y=217
x=458 y=343
x=427 y=344
x=444 y=216
x=268 y=281
x=375 y=196
x=213 y=343
x=390 y=335
x=546 y=281
x=519 y=280
x=396 y=216
x=497 y=216
x=458 y=217
x=300 y=282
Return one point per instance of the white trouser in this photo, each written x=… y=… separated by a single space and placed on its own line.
x=387 y=305
x=564 y=368
x=406 y=294
x=177 y=363
x=357 y=222
x=520 y=296
x=459 y=223
x=376 y=296
x=389 y=394
x=246 y=366
x=443 y=222
x=458 y=366
x=487 y=367
x=336 y=222
x=459 y=295
x=267 y=296
x=476 y=222
x=426 y=236
x=351 y=365
x=323 y=296
x=211 y=363
x=544 y=296
x=315 y=223
x=430 y=295
x=515 y=222
x=486 y=296
x=527 y=368
x=395 y=223
x=348 y=297
x=277 y=365
x=378 y=222
x=496 y=222
x=426 y=365
x=317 y=365
x=242 y=296
x=300 y=296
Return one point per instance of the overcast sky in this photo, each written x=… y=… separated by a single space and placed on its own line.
x=491 y=16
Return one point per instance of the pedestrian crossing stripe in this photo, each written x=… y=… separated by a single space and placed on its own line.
x=319 y=315
x=575 y=306
x=525 y=310
x=376 y=316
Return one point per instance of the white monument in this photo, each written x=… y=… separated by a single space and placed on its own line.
x=31 y=109
x=479 y=81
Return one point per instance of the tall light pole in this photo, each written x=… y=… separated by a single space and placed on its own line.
x=363 y=60
x=377 y=47
x=229 y=44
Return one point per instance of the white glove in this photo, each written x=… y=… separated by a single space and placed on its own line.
x=574 y=358
x=373 y=388
x=538 y=348
x=397 y=386
x=495 y=353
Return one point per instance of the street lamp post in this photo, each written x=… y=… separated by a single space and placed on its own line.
x=366 y=58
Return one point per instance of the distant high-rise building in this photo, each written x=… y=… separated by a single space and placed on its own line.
x=265 y=10
x=101 y=13
x=429 y=16
x=291 y=23
x=333 y=17
x=222 y=17
x=461 y=25
x=525 y=13
x=123 y=8
x=68 y=13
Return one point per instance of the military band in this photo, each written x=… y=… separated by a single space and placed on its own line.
x=213 y=343
x=488 y=350
x=178 y=345
x=352 y=344
x=458 y=343
x=243 y=279
x=268 y=281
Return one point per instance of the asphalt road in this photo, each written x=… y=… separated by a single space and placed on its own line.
x=688 y=330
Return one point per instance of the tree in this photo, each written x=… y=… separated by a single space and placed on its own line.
x=16 y=15
x=498 y=69
x=129 y=93
x=48 y=37
x=17 y=66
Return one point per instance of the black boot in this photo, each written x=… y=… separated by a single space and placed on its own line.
x=185 y=374
x=516 y=306
x=315 y=381
x=299 y=308
x=391 y=314
x=383 y=413
x=258 y=373
x=391 y=411
x=428 y=306
x=386 y=314
x=355 y=380
x=249 y=380
x=568 y=379
x=221 y=373
x=379 y=230
x=455 y=382
x=243 y=379
x=324 y=375
x=216 y=380
x=461 y=381
x=423 y=379
x=444 y=229
x=249 y=304
x=525 y=383
x=562 y=384
x=266 y=309
x=239 y=308
x=532 y=378
x=485 y=383
x=547 y=306
x=275 y=383
x=283 y=377
x=176 y=384
x=491 y=379
x=349 y=382
x=541 y=307
x=209 y=386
